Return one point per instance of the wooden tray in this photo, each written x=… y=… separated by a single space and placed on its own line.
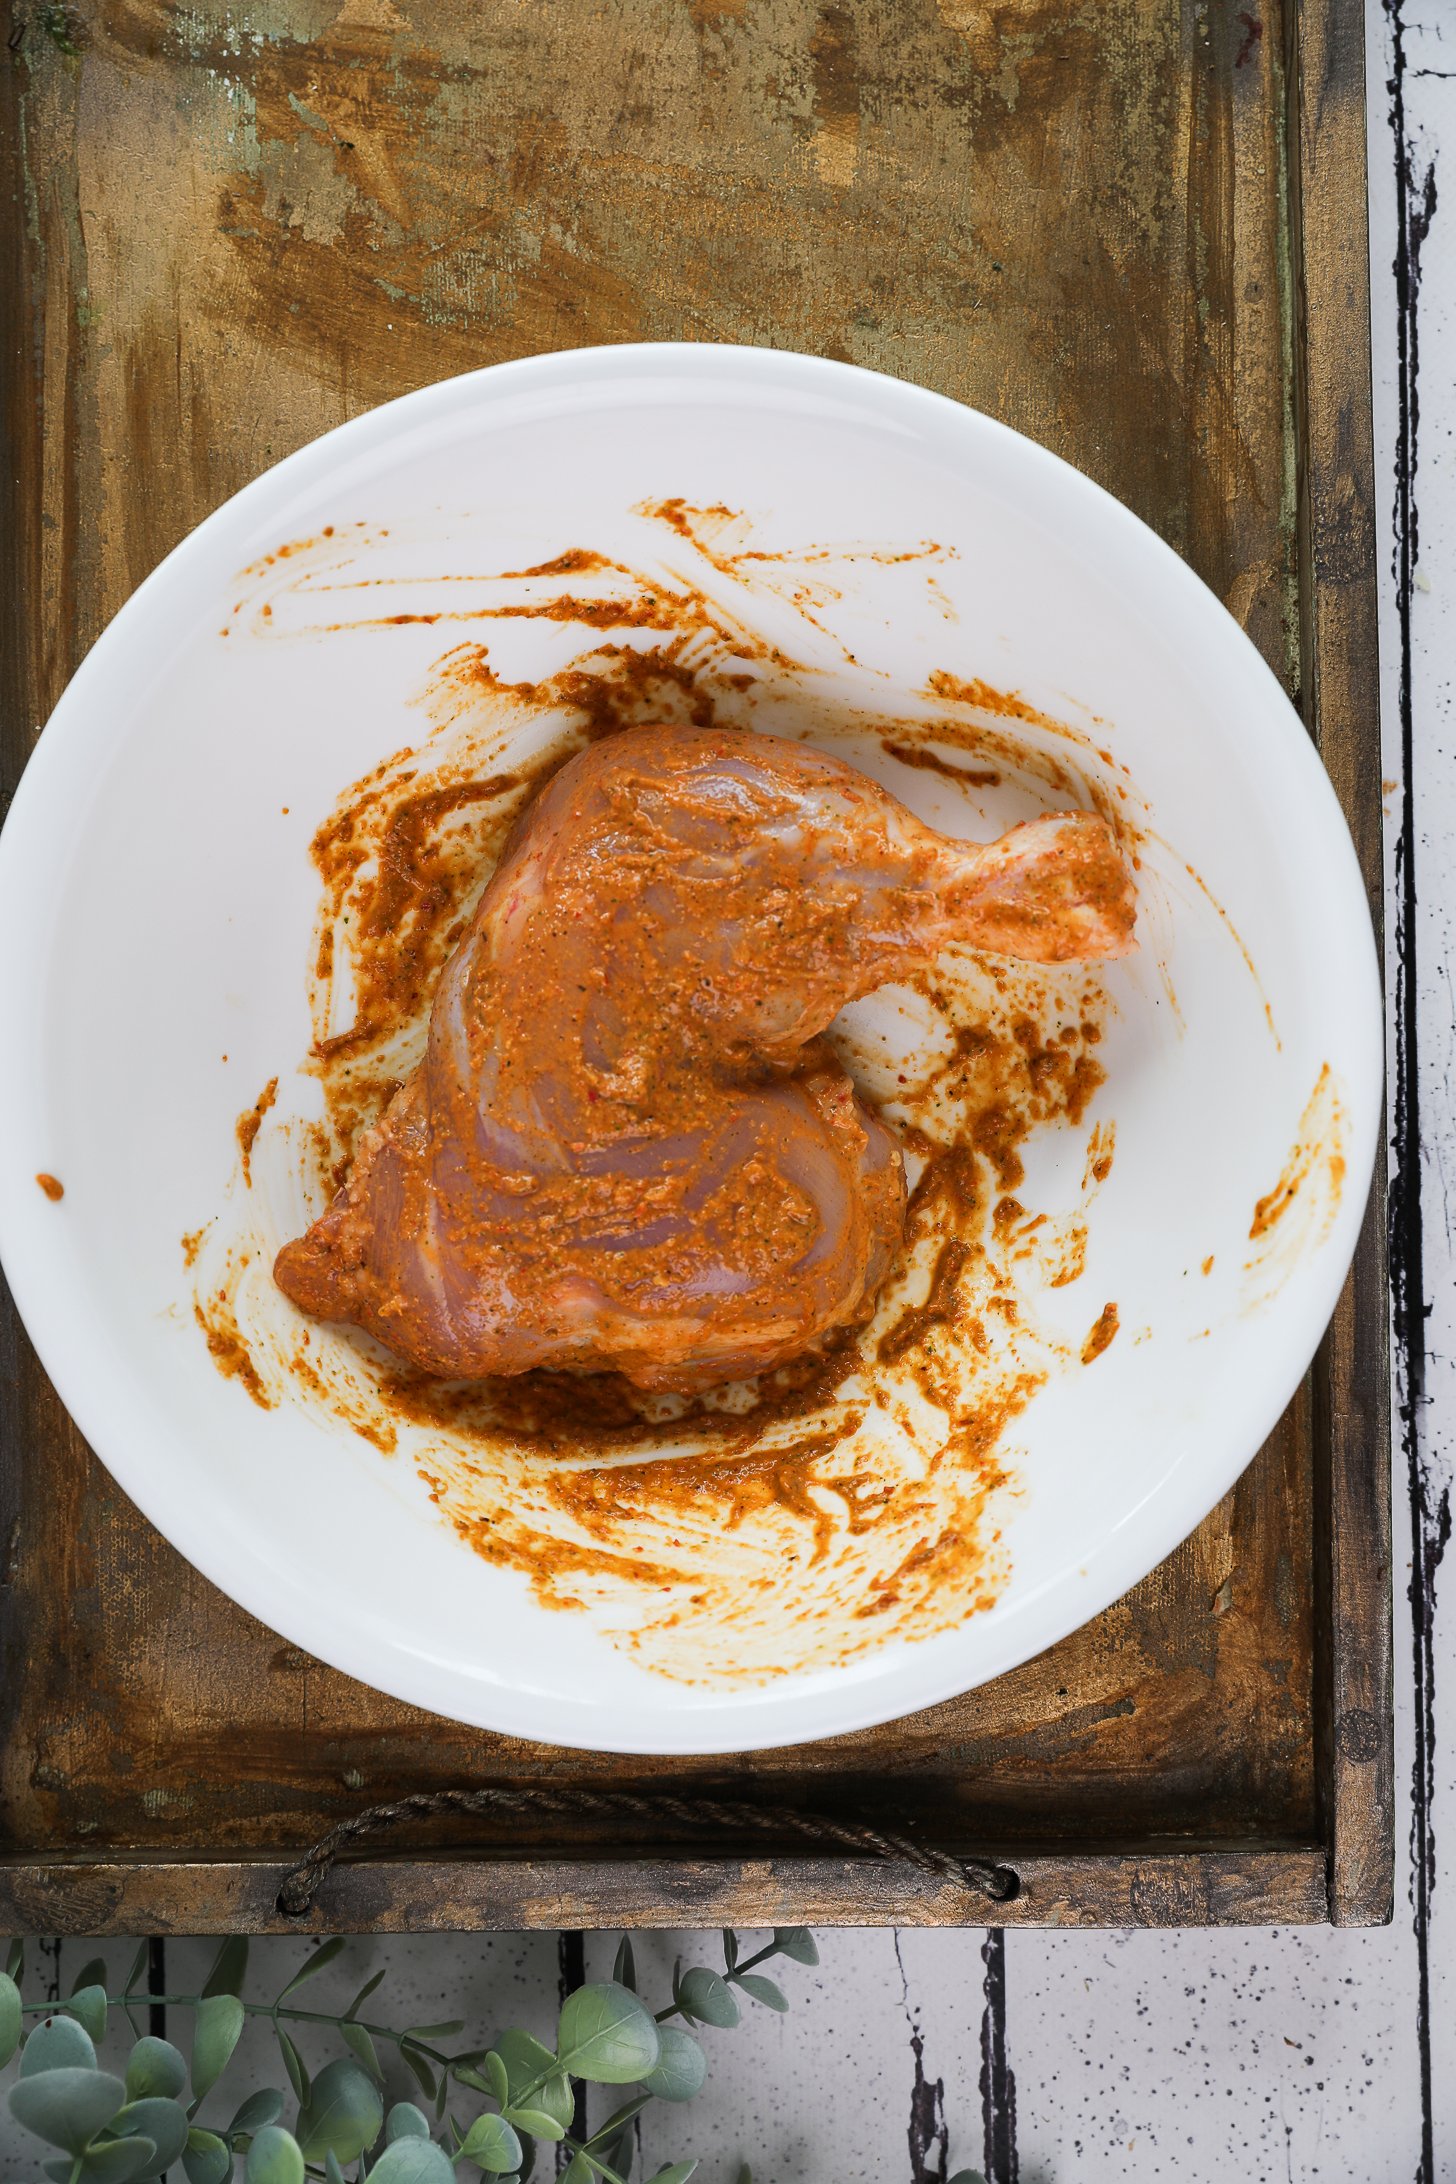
x=1138 y=234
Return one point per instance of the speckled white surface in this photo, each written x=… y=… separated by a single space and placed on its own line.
x=1202 y=2056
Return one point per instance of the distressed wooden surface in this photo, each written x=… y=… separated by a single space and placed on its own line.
x=237 y=227
x=1340 y=672
x=1248 y=1887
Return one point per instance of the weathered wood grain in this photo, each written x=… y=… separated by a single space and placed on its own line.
x=1354 y=1711
x=234 y=228
x=1265 y=1885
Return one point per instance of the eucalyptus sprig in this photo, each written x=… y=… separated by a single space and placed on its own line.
x=110 y=2129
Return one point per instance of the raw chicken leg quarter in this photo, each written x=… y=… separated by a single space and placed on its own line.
x=628 y=1147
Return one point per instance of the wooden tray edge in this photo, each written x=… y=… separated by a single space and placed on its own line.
x=1245 y=1885
x=1339 y=650
x=1225 y=1887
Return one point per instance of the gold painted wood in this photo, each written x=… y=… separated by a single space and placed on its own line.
x=1135 y=232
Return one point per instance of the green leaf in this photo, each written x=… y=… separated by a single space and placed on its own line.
x=265 y=2106
x=15 y=1961
x=162 y=2121
x=138 y=1966
x=446 y=2031
x=681 y=2066
x=730 y=1948
x=315 y=1963
x=762 y=1990
x=704 y=1995
x=796 y=1942
x=158 y=2164
x=117 y=2161
x=67 y=2106
x=274 y=2157
x=332 y=2171
x=405 y=2121
x=88 y=2006
x=967 y=2176
x=745 y=2174
x=91 y=1974
x=618 y=2120
x=228 y=1967
x=363 y=1995
x=214 y=2036
x=424 y=2076
x=343 y=2114
x=605 y=2035
x=294 y=2065
x=676 y=2172
x=496 y=2079
x=624 y=1971
x=619 y=2153
x=577 y=2171
x=412 y=2161
x=491 y=2144
x=205 y=2159
x=523 y=2059
x=155 y=2068
x=57 y=2043
x=11 y=2019
x=535 y=2121
x=361 y=2046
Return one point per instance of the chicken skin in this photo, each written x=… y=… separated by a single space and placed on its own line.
x=628 y=1147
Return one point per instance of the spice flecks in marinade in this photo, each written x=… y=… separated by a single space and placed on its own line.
x=800 y=1517
x=627 y=1146
x=1299 y=1210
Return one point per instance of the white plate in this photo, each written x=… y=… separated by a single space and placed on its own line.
x=160 y=902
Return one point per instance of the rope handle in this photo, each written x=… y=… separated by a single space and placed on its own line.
x=299 y=1892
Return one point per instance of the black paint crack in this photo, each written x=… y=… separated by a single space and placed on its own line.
x=929 y=2134
x=1429 y=1496
x=157 y=1986
x=998 y=2084
x=571 y=1974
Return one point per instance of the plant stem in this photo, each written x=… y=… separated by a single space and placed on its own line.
x=573 y=2146
x=749 y=1962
